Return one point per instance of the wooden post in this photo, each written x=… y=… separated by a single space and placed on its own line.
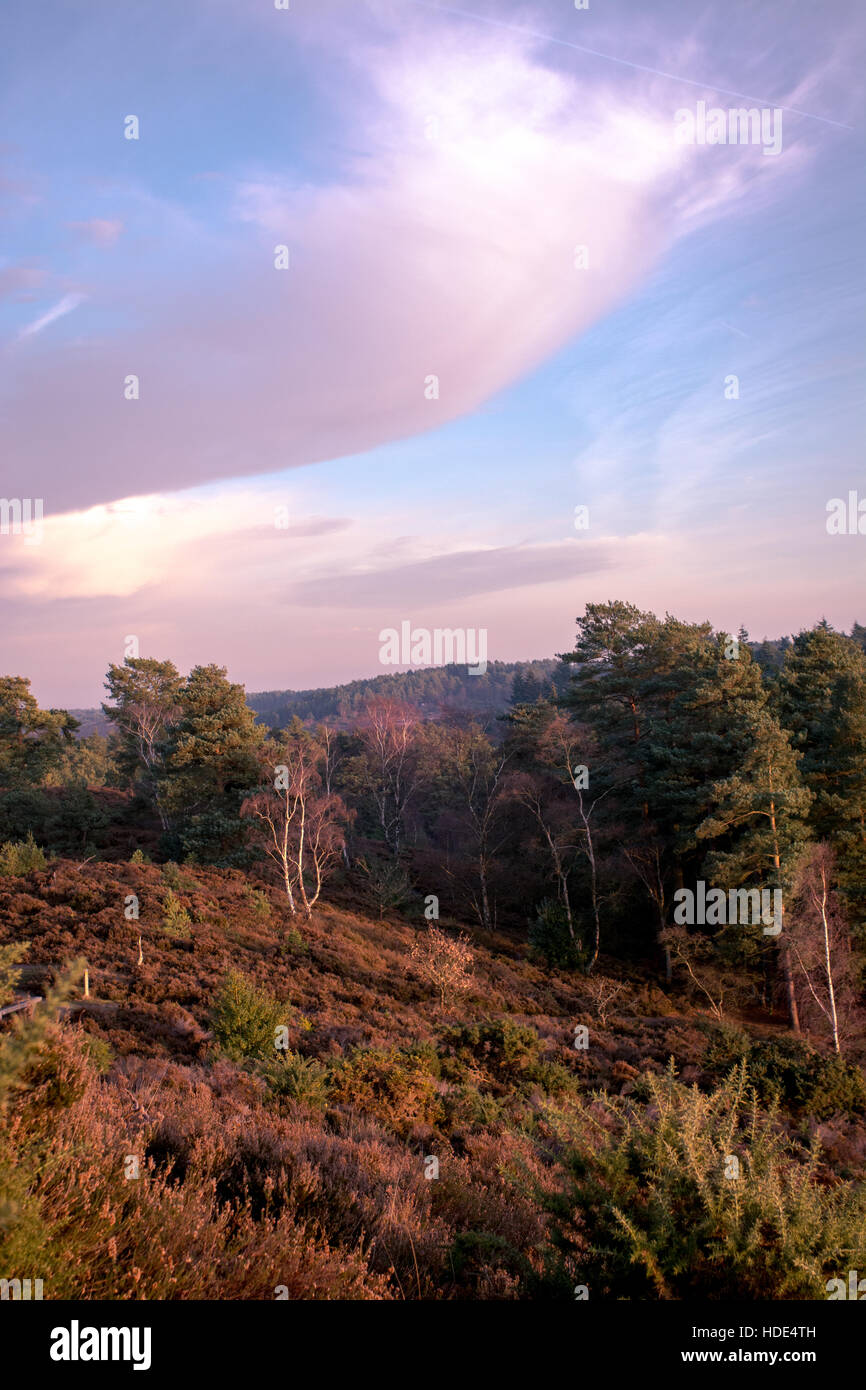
x=140 y=954
x=87 y=984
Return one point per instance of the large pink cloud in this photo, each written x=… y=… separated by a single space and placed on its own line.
x=448 y=249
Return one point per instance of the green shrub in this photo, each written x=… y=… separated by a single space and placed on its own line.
x=302 y=1079
x=790 y=1073
x=10 y=957
x=466 y=1105
x=98 y=1050
x=665 y=1216
x=396 y=1087
x=509 y=1053
x=260 y=903
x=176 y=921
x=175 y=877
x=68 y=821
x=245 y=1019
x=138 y=856
x=19 y=857
x=294 y=944
x=550 y=939
x=728 y=1045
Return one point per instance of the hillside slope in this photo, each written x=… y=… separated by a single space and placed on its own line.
x=396 y=1148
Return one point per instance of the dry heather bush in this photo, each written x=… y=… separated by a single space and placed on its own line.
x=233 y=1201
x=444 y=963
x=95 y=1234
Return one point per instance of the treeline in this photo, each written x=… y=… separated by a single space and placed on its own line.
x=429 y=690
x=632 y=799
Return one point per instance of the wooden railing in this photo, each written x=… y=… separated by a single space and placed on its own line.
x=19 y=1004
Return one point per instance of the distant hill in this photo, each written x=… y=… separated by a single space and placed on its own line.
x=91 y=721
x=429 y=690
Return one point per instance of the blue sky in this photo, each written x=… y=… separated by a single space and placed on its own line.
x=431 y=174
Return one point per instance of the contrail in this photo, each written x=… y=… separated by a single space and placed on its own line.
x=63 y=306
x=624 y=62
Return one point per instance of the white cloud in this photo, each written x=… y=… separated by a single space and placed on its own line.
x=57 y=311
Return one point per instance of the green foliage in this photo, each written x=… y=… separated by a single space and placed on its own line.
x=21 y=857
x=260 y=903
x=32 y=740
x=298 y=1078
x=822 y=700
x=389 y=882
x=11 y=955
x=21 y=1047
x=145 y=695
x=176 y=921
x=86 y=762
x=175 y=877
x=138 y=856
x=791 y=1074
x=68 y=821
x=294 y=944
x=509 y=1053
x=210 y=765
x=663 y=1218
x=469 y=1106
x=550 y=939
x=245 y=1019
x=427 y=688
x=394 y=1085
x=99 y=1052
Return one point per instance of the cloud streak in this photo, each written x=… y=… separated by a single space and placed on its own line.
x=57 y=311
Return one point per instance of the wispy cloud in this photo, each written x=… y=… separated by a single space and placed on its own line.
x=57 y=311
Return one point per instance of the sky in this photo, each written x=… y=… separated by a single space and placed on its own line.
x=384 y=290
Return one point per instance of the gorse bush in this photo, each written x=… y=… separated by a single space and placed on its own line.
x=18 y=857
x=395 y=1086
x=790 y=1073
x=507 y=1052
x=245 y=1019
x=683 y=1194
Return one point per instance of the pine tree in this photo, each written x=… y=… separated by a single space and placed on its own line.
x=146 y=695
x=32 y=740
x=211 y=764
x=757 y=823
x=822 y=700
